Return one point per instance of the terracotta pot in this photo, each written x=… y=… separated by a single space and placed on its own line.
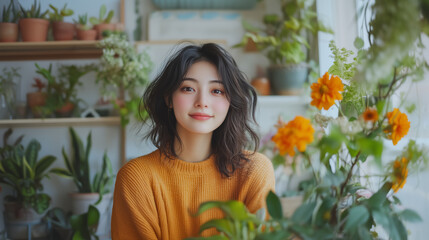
x=262 y=85
x=35 y=100
x=66 y=110
x=33 y=29
x=8 y=32
x=100 y=28
x=90 y=34
x=63 y=31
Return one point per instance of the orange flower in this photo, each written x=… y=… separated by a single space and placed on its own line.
x=326 y=91
x=296 y=133
x=400 y=173
x=398 y=125
x=370 y=115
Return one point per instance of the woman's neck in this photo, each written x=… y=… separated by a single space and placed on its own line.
x=194 y=147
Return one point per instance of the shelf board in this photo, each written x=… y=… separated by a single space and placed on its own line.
x=76 y=49
x=49 y=122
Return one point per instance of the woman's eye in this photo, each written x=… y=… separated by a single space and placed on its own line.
x=217 y=91
x=188 y=89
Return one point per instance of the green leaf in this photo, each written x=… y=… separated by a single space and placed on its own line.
x=370 y=146
x=221 y=225
x=44 y=164
x=274 y=206
x=62 y=172
x=303 y=213
x=410 y=216
x=357 y=216
x=218 y=237
x=93 y=216
x=358 y=43
x=278 y=160
x=376 y=200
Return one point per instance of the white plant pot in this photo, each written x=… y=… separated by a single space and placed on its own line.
x=81 y=202
x=290 y=204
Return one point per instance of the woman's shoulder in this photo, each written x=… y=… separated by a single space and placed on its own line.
x=142 y=164
x=257 y=160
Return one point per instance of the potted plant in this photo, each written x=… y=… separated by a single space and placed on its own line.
x=90 y=191
x=33 y=25
x=36 y=100
x=285 y=43
x=85 y=31
x=123 y=85
x=102 y=23
x=9 y=82
x=77 y=227
x=8 y=24
x=23 y=171
x=61 y=92
x=60 y=29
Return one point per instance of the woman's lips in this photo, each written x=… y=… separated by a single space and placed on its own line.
x=200 y=116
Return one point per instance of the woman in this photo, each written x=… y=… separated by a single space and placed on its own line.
x=200 y=107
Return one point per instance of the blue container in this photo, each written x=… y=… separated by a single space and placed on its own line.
x=205 y=4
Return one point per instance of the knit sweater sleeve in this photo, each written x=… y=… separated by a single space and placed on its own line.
x=134 y=214
x=260 y=180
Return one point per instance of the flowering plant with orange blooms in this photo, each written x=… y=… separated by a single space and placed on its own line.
x=348 y=149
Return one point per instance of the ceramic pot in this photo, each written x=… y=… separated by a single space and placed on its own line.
x=100 y=28
x=63 y=31
x=33 y=29
x=262 y=85
x=81 y=202
x=90 y=34
x=35 y=100
x=66 y=110
x=288 y=79
x=8 y=32
x=24 y=223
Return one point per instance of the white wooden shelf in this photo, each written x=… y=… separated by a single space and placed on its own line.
x=46 y=122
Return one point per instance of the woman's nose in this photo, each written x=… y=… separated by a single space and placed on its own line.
x=201 y=101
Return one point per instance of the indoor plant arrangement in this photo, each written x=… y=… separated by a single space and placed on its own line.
x=23 y=171
x=61 y=92
x=33 y=25
x=123 y=73
x=95 y=191
x=9 y=82
x=285 y=41
x=8 y=24
x=84 y=30
x=60 y=29
x=102 y=23
x=347 y=200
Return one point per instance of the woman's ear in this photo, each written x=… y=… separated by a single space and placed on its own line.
x=168 y=102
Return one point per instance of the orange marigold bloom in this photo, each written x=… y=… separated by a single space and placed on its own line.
x=370 y=115
x=296 y=133
x=326 y=91
x=400 y=174
x=398 y=125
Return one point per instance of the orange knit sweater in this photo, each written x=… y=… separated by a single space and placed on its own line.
x=155 y=198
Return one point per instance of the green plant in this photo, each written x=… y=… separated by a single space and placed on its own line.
x=355 y=176
x=23 y=171
x=83 y=226
x=62 y=90
x=10 y=14
x=101 y=17
x=123 y=74
x=285 y=36
x=58 y=15
x=34 y=11
x=82 y=22
x=77 y=168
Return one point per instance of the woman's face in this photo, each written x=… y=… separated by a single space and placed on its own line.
x=200 y=104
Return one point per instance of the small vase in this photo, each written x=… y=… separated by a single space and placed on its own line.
x=63 y=31
x=66 y=110
x=33 y=29
x=100 y=28
x=88 y=35
x=262 y=85
x=35 y=100
x=8 y=32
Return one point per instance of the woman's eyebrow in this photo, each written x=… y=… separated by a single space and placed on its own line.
x=195 y=80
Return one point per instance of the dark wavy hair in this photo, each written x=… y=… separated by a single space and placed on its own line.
x=232 y=136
